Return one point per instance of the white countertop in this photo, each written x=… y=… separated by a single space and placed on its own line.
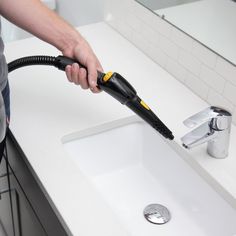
x=45 y=108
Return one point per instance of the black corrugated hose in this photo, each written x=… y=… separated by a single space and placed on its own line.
x=60 y=62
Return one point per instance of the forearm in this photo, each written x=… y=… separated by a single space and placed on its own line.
x=36 y=18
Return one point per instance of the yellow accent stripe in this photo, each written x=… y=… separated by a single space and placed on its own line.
x=144 y=105
x=107 y=76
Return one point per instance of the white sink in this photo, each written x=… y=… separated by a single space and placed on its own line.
x=131 y=166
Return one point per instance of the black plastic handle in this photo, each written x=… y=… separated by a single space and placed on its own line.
x=63 y=61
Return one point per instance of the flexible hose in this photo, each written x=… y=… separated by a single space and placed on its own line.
x=32 y=60
x=59 y=62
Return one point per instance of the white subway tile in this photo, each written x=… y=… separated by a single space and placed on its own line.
x=126 y=31
x=140 y=20
x=143 y=29
x=197 y=86
x=189 y=62
x=181 y=39
x=121 y=27
x=226 y=69
x=204 y=54
x=230 y=92
x=140 y=42
x=169 y=47
x=177 y=70
x=146 y=15
x=135 y=23
x=151 y=36
x=157 y=55
x=162 y=26
x=212 y=79
x=216 y=99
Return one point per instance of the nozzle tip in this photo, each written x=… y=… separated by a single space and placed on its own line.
x=186 y=146
x=163 y=130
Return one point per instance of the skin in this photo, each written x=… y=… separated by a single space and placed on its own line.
x=34 y=17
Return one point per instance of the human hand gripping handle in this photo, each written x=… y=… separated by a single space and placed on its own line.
x=83 y=71
x=62 y=63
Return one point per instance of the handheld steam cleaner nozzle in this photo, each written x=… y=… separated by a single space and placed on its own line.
x=112 y=83
x=119 y=88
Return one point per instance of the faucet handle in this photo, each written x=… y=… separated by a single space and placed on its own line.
x=206 y=115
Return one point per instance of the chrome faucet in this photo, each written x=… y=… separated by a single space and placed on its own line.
x=214 y=126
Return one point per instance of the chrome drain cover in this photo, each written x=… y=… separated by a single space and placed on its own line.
x=156 y=214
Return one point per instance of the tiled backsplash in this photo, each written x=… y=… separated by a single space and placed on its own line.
x=208 y=75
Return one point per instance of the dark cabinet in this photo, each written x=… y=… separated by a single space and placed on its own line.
x=25 y=210
x=6 y=222
x=25 y=219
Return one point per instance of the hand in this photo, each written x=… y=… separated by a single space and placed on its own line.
x=85 y=55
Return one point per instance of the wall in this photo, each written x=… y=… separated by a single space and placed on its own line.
x=11 y=32
x=77 y=12
x=208 y=75
x=81 y=12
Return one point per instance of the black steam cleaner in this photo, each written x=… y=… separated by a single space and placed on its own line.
x=112 y=83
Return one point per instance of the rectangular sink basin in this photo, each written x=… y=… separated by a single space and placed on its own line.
x=131 y=166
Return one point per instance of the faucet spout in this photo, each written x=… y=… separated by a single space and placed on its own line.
x=198 y=136
x=215 y=130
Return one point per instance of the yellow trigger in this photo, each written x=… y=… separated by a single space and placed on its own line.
x=107 y=76
x=144 y=105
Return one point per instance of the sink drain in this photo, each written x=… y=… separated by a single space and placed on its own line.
x=156 y=214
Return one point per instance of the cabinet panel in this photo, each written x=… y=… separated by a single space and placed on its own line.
x=5 y=202
x=34 y=191
x=26 y=222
